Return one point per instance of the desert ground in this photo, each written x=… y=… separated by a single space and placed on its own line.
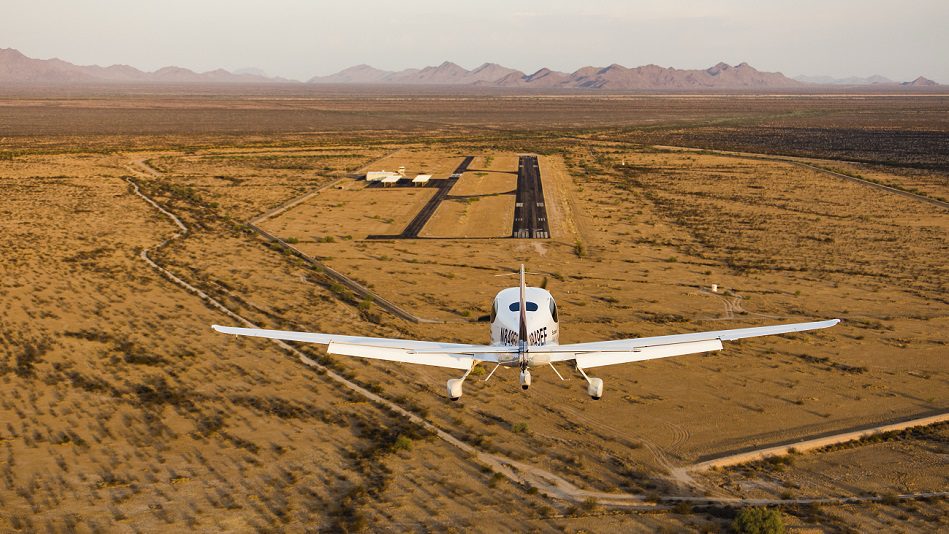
x=123 y=411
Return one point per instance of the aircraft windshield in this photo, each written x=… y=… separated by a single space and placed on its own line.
x=516 y=306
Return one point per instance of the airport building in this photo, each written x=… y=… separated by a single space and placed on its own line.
x=378 y=176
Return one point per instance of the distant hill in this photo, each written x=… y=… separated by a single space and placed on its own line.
x=870 y=80
x=253 y=71
x=447 y=73
x=611 y=77
x=920 y=82
x=357 y=74
x=18 y=68
x=853 y=80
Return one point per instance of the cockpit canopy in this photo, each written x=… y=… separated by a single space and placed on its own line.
x=536 y=295
x=516 y=306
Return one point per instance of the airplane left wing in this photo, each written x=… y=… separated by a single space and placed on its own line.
x=602 y=353
x=397 y=350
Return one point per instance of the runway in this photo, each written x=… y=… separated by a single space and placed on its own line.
x=444 y=187
x=530 y=212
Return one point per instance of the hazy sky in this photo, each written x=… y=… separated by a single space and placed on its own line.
x=303 y=38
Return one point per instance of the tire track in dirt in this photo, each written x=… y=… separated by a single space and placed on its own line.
x=733 y=306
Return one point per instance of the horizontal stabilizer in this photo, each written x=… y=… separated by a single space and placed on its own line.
x=474 y=349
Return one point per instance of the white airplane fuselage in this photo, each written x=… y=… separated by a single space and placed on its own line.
x=541 y=324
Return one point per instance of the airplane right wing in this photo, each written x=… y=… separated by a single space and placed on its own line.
x=602 y=353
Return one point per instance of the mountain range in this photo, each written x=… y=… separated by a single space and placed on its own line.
x=16 y=68
x=852 y=80
x=611 y=77
x=876 y=79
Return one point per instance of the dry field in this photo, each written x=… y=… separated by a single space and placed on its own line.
x=482 y=202
x=123 y=411
x=907 y=460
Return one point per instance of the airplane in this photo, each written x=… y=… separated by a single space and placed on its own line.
x=525 y=333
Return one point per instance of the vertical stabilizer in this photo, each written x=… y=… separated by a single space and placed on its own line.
x=522 y=330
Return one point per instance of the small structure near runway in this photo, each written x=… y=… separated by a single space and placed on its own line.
x=379 y=176
x=444 y=186
x=389 y=180
x=421 y=179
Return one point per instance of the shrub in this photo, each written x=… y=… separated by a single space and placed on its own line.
x=759 y=520
x=495 y=478
x=588 y=505
x=402 y=443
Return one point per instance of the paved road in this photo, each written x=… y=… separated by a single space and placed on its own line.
x=530 y=212
x=444 y=187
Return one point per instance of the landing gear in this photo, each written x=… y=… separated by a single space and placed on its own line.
x=525 y=379
x=595 y=388
x=454 y=386
x=594 y=385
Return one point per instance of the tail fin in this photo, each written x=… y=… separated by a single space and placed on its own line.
x=522 y=331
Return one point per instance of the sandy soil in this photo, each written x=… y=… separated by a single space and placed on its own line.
x=124 y=410
x=148 y=427
x=909 y=461
x=439 y=164
x=481 y=183
x=351 y=211
x=481 y=204
x=927 y=183
x=489 y=216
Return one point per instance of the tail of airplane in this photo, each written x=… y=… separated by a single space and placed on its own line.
x=525 y=377
x=522 y=329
